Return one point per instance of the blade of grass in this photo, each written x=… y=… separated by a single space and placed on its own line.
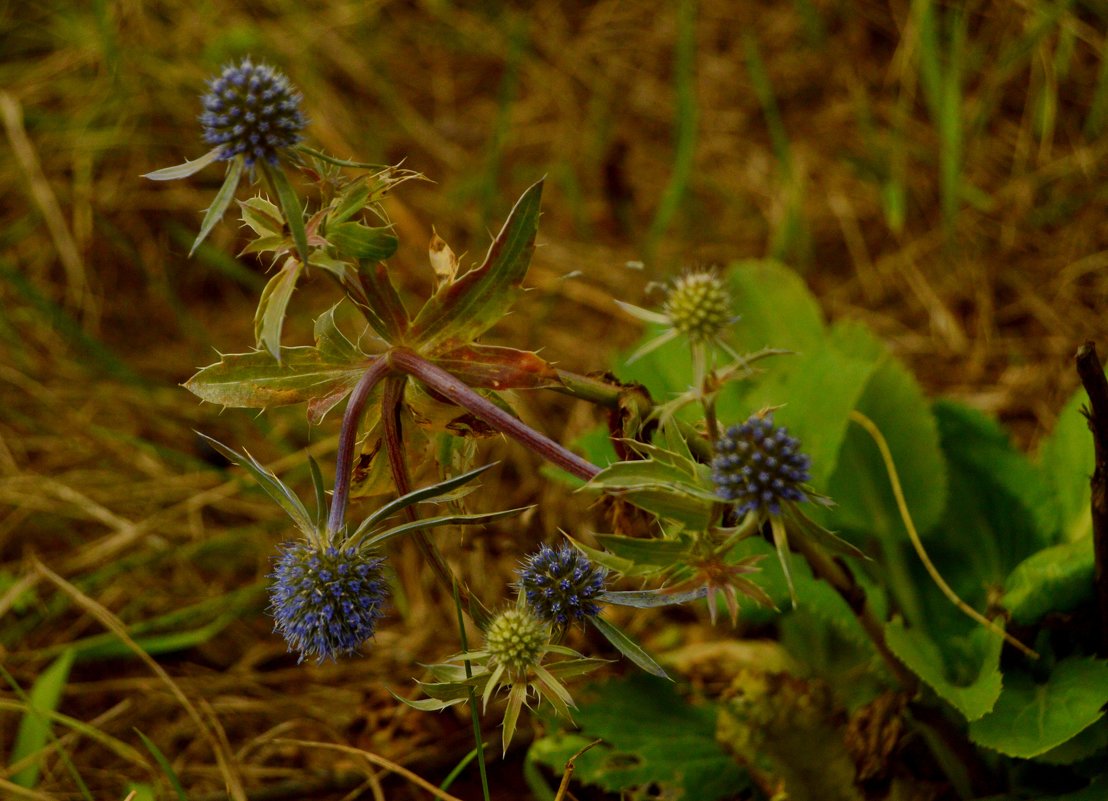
x=1098 y=108
x=34 y=728
x=163 y=763
x=685 y=122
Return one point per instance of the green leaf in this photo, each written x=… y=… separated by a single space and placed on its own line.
x=492 y=367
x=645 y=551
x=376 y=539
x=659 y=488
x=256 y=381
x=975 y=688
x=263 y=218
x=273 y=486
x=650 y=599
x=186 y=169
x=269 y=318
x=860 y=484
x=628 y=647
x=164 y=764
x=1003 y=506
x=638 y=720
x=332 y=344
x=817 y=390
x=220 y=202
x=464 y=309
x=34 y=728
x=290 y=207
x=430 y=494
x=1056 y=579
x=375 y=293
x=1030 y=719
x=358 y=241
x=775 y=307
x=1066 y=459
x=350 y=201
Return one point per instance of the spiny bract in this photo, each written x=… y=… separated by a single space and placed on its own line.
x=326 y=602
x=252 y=110
x=758 y=466
x=561 y=585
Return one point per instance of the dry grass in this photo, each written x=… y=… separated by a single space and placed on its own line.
x=985 y=279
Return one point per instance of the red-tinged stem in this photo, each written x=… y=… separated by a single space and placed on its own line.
x=392 y=403
x=459 y=393
x=348 y=435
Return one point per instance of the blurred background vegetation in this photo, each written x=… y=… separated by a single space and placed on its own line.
x=936 y=170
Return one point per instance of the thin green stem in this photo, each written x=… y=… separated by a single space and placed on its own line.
x=478 y=738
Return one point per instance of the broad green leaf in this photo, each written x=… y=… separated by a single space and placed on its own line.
x=1056 y=579
x=463 y=310
x=638 y=719
x=186 y=169
x=220 y=202
x=374 y=292
x=1030 y=719
x=269 y=318
x=975 y=688
x=628 y=647
x=290 y=207
x=361 y=242
x=139 y=792
x=1083 y=746
x=999 y=512
x=775 y=307
x=816 y=391
x=257 y=381
x=860 y=485
x=34 y=728
x=493 y=367
x=983 y=448
x=1066 y=459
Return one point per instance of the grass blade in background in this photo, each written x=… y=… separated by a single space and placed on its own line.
x=685 y=121
x=34 y=729
x=163 y=763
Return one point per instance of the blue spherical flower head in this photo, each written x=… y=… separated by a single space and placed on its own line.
x=759 y=466
x=252 y=110
x=561 y=586
x=326 y=601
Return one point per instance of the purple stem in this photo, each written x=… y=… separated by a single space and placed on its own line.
x=459 y=393
x=348 y=434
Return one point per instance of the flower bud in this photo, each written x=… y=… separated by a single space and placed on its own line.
x=516 y=639
x=699 y=305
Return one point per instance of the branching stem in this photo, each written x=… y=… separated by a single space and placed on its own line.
x=392 y=403
x=348 y=435
x=457 y=392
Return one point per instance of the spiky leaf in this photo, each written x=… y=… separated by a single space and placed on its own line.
x=493 y=367
x=464 y=309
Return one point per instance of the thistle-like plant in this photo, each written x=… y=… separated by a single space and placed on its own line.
x=513 y=660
